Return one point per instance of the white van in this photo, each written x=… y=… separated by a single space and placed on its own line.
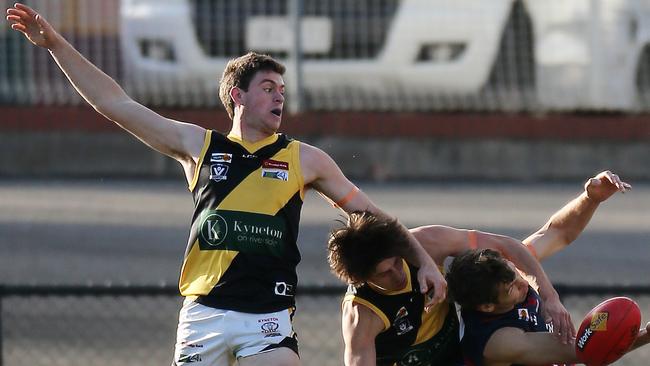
x=355 y=51
x=398 y=54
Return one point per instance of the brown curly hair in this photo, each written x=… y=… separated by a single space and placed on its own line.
x=355 y=249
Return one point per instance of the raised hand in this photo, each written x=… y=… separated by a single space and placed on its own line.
x=604 y=185
x=27 y=21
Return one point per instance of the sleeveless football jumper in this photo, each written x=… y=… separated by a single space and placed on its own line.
x=411 y=336
x=480 y=326
x=242 y=252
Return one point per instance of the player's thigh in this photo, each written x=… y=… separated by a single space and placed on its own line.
x=278 y=357
x=201 y=336
x=264 y=339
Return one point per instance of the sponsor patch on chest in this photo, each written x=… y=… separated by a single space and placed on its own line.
x=275 y=169
x=275 y=164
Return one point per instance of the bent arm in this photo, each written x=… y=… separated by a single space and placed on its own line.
x=442 y=241
x=360 y=328
x=322 y=173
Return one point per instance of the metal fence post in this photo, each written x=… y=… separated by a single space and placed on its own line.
x=296 y=90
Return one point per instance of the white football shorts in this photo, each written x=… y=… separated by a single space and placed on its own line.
x=216 y=337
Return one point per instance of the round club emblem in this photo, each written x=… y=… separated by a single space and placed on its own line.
x=214 y=229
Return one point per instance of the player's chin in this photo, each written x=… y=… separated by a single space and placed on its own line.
x=274 y=121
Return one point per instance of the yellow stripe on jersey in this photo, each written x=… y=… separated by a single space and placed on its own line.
x=276 y=193
x=370 y=306
x=432 y=322
x=251 y=147
x=197 y=168
x=203 y=269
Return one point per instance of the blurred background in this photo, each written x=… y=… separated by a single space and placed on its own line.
x=458 y=112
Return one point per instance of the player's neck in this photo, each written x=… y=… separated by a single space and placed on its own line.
x=240 y=131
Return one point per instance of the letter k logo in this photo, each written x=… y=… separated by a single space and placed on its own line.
x=214 y=230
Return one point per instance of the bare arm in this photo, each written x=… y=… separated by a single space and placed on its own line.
x=642 y=338
x=360 y=328
x=181 y=141
x=442 y=241
x=321 y=172
x=568 y=222
x=514 y=346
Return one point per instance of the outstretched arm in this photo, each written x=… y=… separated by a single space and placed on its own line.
x=321 y=172
x=567 y=223
x=181 y=141
x=514 y=346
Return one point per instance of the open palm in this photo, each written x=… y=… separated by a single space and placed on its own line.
x=27 y=21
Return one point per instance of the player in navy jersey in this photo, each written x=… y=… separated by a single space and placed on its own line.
x=501 y=310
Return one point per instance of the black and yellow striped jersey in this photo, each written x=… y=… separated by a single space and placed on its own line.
x=411 y=336
x=242 y=252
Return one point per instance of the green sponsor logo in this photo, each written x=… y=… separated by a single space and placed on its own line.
x=214 y=229
x=242 y=231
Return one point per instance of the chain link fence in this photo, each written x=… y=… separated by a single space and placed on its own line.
x=102 y=326
x=379 y=55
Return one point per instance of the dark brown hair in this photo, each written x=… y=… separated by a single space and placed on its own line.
x=240 y=71
x=474 y=277
x=355 y=249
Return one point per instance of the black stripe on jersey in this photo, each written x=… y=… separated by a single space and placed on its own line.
x=243 y=166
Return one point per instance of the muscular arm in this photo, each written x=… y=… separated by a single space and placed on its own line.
x=181 y=141
x=563 y=227
x=360 y=328
x=567 y=224
x=442 y=241
x=514 y=346
x=321 y=172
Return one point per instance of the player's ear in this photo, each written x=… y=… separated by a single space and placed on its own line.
x=486 y=308
x=236 y=94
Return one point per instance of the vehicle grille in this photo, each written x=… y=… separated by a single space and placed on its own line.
x=359 y=27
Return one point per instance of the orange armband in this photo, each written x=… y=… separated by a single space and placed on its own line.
x=472 y=238
x=348 y=197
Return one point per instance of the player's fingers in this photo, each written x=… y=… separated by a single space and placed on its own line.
x=617 y=182
x=19 y=13
x=19 y=27
x=13 y=18
x=612 y=178
x=31 y=12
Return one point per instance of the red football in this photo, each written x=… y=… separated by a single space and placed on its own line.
x=608 y=331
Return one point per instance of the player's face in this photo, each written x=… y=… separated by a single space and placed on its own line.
x=263 y=102
x=512 y=293
x=389 y=274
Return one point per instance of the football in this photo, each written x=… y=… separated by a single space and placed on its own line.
x=608 y=331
